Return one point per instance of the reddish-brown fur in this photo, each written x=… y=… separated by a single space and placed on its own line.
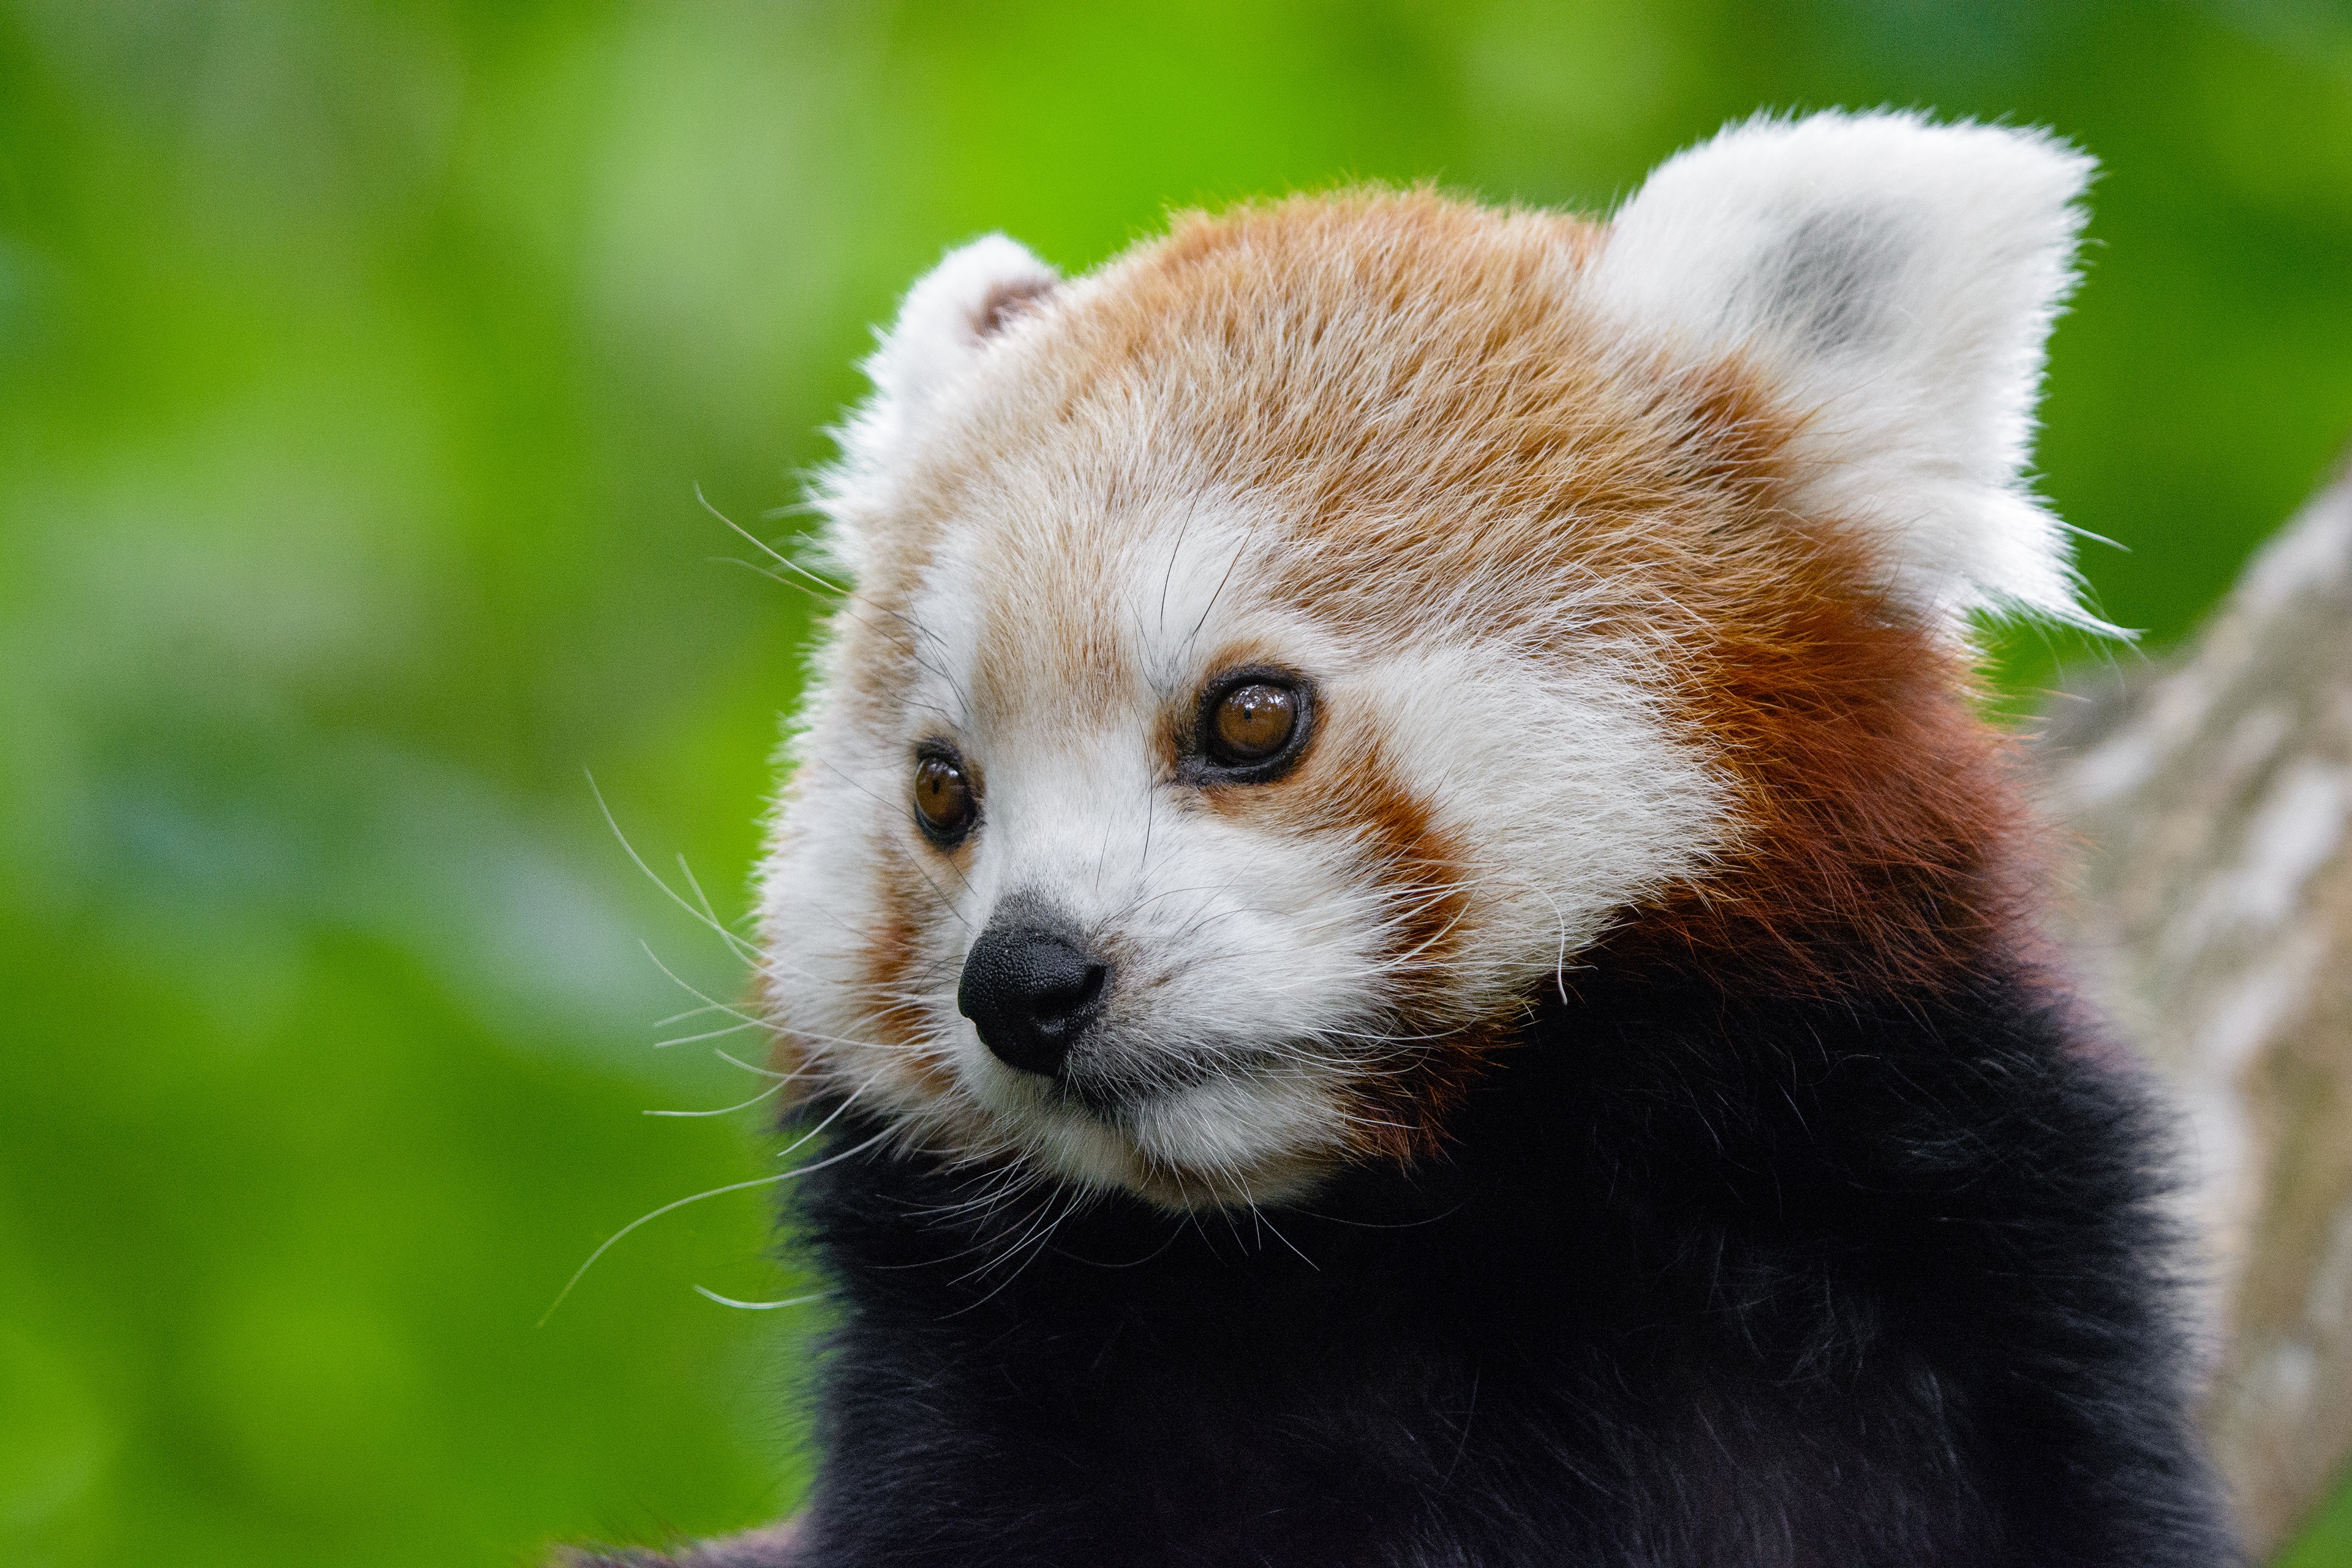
x=1401 y=1112
x=1411 y=385
x=893 y=981
x=1873 y=799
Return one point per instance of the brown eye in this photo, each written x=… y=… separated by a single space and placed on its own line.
x=1251 y=723
x=944 y=801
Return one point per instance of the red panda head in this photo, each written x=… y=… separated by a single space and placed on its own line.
x=1277 y=658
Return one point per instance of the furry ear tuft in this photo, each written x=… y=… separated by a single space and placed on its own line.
x=1894 y=282
x=976 y=293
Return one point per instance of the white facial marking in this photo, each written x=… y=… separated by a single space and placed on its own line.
x=1257 y=954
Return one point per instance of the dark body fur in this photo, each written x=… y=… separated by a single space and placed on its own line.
x=1707 y=1281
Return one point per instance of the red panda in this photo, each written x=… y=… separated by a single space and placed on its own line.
x=1406 y=942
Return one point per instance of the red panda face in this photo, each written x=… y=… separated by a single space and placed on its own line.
x=1277 y=659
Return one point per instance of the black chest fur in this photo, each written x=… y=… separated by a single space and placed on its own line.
x=1826 y=1283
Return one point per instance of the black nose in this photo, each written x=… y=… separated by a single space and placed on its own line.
x=1030 y=988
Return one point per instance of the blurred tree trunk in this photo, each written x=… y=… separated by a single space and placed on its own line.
x=2212 y=918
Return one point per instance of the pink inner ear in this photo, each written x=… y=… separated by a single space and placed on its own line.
x=1007 y=302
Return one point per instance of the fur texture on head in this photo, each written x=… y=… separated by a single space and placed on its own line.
x=1622 y=565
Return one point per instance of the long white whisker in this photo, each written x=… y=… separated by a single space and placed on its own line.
x=735 y=943
x=760 y=1306
x=690 y=1012
x=715 y=1191
x=747 y=1066
x=700 y=897
x=729 y=1109
x=707 y=1035
x=831 y=589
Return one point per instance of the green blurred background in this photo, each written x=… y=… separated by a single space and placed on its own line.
x=358 y=364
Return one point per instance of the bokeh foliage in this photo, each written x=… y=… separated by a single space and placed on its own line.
x=358 y=364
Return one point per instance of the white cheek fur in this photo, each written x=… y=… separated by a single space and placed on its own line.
x=1564 y=781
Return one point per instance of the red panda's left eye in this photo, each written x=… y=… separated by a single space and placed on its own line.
x=1253 y=723
x=1252 y=726
x=944 y=801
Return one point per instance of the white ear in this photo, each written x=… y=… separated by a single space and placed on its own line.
x=943 y=327
x=1893 y=280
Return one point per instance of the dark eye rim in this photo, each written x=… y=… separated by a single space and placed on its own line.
x=942 y=751
x=1201 y=767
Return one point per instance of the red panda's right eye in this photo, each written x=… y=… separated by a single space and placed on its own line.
x=944 y=801
x=1252 y=725
x=1252 y=722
